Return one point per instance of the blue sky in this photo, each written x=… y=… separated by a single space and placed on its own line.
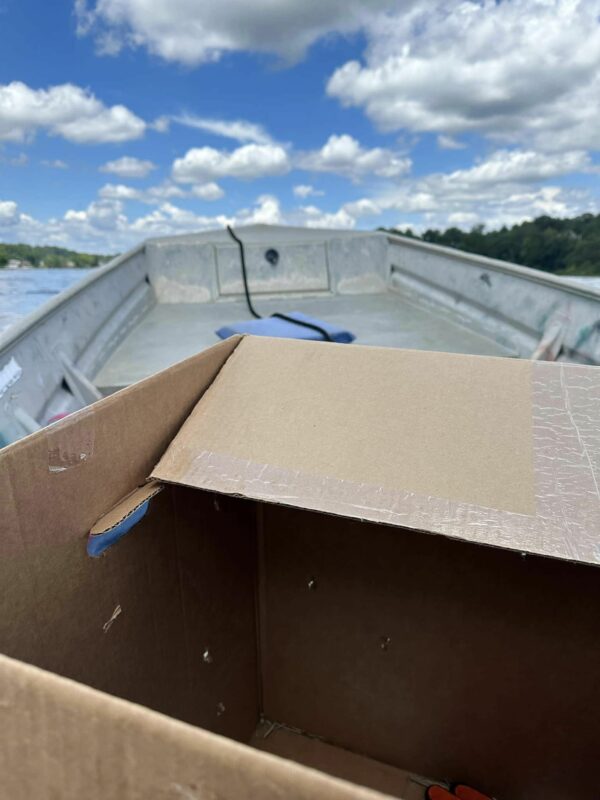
x=123 y=119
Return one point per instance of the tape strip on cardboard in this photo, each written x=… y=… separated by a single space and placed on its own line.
x=565 y=440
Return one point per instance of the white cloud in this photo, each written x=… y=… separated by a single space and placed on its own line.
x=16 y=161
x=84 y=16
x=440 y=207
x=155 y=195
x=118 y=191
x=519 y=70
x=463 y=219
x=507 y=187
x=54 y=164
x=152 y=195
x=65 y=110
x=161 y=124
x=164 y=191
x=364 y=207
x=201 y=164
x=168 y=220
x=445 y=142
x=267 y=211
x=103 y=215
x=116 y=124
x=518 y=166
x=240 y=130
x=208 y=191
x=313 y=217
x=196 y=31
x=304 y=190
x=8 y=213
x=128 y=167
x=104 y=226
x=513 y=208
x=343 y=155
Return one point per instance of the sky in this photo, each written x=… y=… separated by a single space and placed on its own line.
x=126 y=119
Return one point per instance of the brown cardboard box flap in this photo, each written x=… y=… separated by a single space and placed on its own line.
x=61 y=739
x=496 y=451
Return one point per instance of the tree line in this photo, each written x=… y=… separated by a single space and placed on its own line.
x=50 y=257
x=561 y=246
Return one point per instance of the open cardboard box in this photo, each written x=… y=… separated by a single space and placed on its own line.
x=275 y=582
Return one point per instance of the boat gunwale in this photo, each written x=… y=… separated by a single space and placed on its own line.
x=561 y=282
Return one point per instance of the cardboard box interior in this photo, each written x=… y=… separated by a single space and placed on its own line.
x=374 y=653
x=439 y=658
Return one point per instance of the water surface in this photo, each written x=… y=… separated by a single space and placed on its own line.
x=23 y=290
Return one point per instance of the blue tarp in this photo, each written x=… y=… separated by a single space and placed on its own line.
x=282 y=329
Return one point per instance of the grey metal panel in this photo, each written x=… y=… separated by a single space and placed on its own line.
x=182 y=272
x=358 y=265
x=300 y=268
x=516 y=305
x=68 y=325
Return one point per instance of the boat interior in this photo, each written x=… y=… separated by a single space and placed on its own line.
x=164 y=301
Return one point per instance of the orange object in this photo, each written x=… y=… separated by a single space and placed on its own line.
x=467 y=793
x=459 y=790
x=439 y=793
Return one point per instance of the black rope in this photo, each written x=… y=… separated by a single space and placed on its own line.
x=251 y=308
x=313 y=326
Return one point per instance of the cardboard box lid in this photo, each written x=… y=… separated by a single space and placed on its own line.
x=496 y=451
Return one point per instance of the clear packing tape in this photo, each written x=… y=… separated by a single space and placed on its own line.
x=564 y=521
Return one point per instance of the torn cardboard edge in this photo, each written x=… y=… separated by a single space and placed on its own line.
x=113 y=525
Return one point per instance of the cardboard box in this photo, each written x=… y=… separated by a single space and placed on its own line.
x=222 y=581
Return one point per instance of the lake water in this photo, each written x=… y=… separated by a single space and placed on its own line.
x=23 y=290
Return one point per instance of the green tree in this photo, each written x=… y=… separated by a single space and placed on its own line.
x=562 y=246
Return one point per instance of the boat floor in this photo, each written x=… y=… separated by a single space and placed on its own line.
x=171 y=332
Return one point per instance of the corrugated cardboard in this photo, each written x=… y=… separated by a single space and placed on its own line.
x=62 y=740
x=430 y=423
x=488 y=450
x=125 y=507
x=55 y=599
x=445 y=658
x=381 y=654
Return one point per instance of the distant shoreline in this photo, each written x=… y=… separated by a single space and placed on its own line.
x=24 y=256
x=32 y=268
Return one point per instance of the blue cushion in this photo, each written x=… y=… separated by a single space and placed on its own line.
x=282 y=329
